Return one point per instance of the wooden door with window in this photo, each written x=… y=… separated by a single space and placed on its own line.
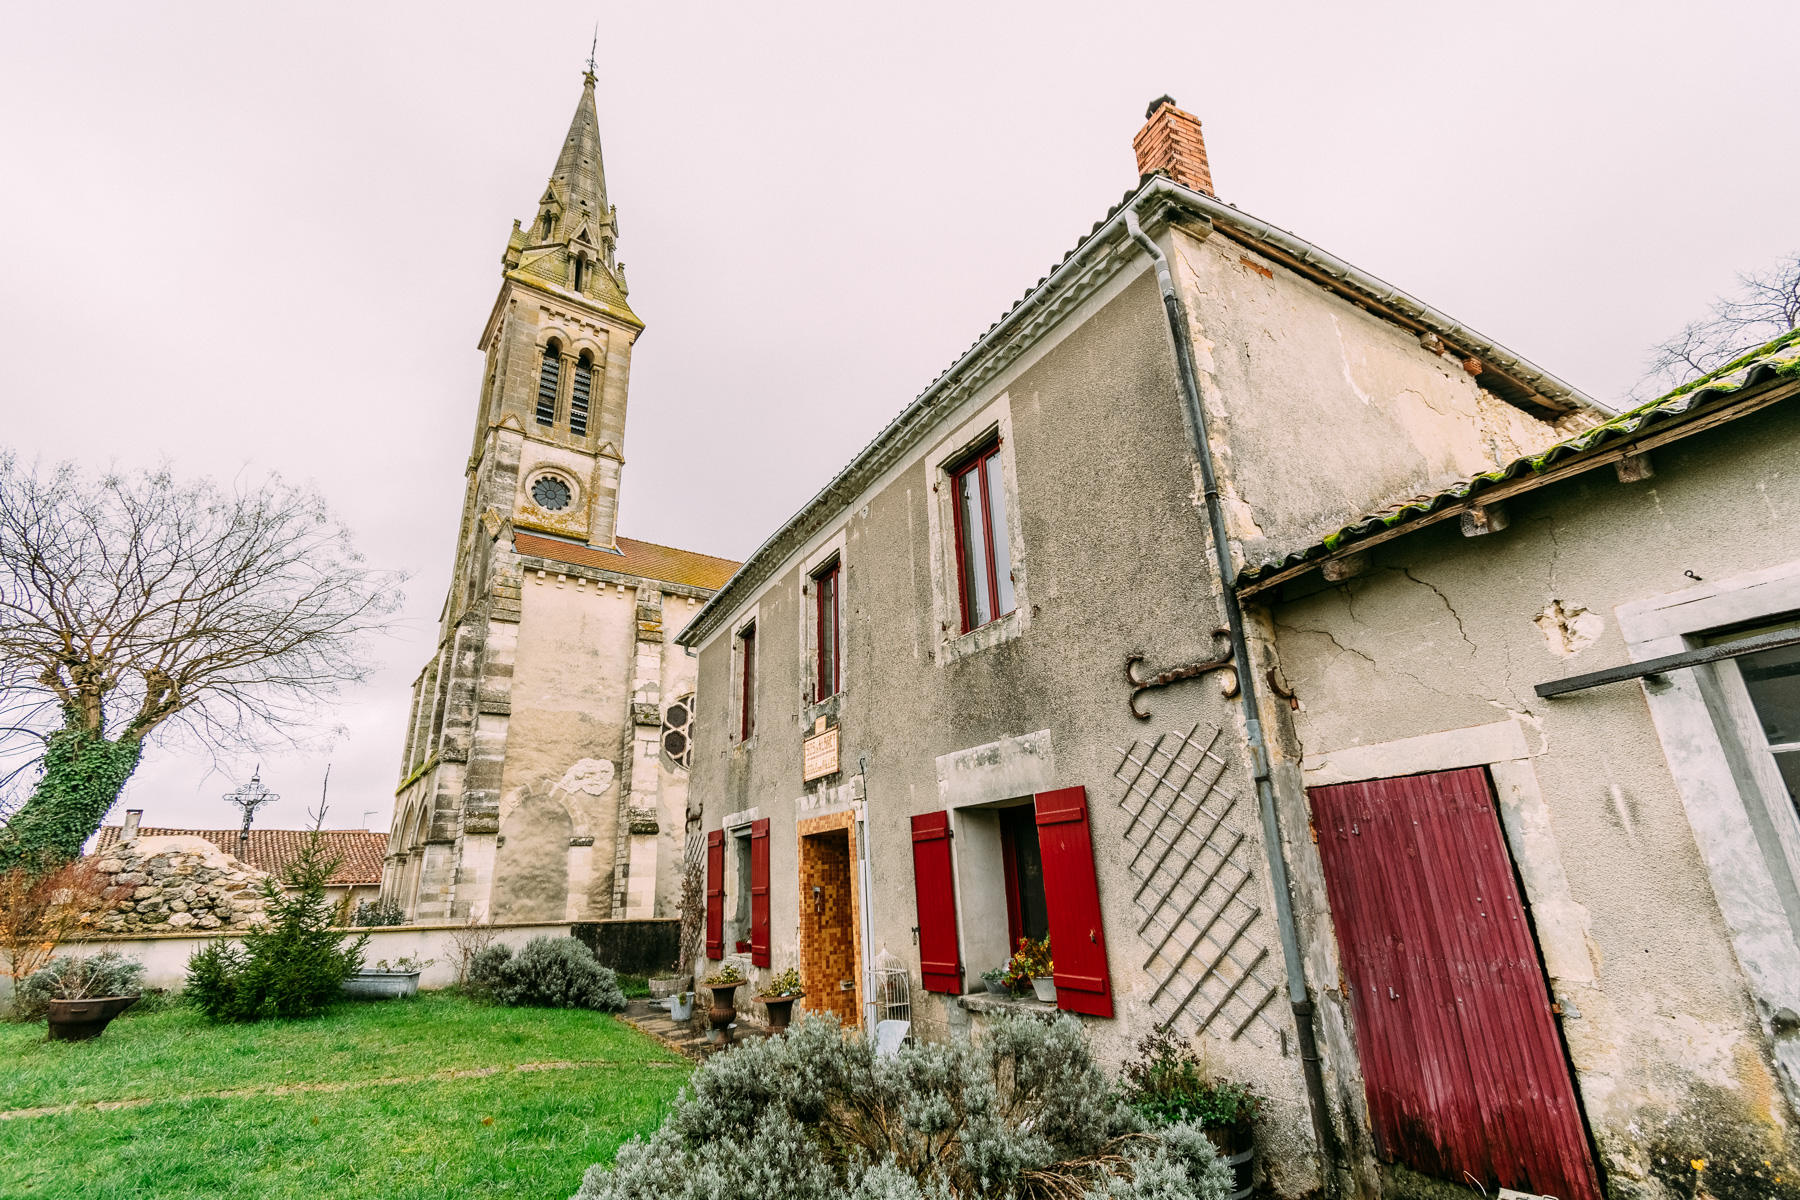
x=1461 y=1057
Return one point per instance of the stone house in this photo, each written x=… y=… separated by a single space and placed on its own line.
x=544 y=776
x=987 y=685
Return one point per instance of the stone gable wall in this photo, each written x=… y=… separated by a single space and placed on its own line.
x=174 y=884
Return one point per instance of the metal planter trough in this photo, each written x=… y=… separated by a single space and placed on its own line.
x=372 y=983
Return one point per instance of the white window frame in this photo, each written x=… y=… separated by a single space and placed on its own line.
x=951 y=644
x=1742 y=819
x=811 y=565
x=735 y=732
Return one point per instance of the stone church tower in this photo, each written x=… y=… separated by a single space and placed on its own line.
x=545 y=771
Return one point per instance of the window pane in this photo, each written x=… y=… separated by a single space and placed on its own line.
x=1773 y=680
x=996 y=495
x=979 y=604
x=828 y=634
x=1789 y=764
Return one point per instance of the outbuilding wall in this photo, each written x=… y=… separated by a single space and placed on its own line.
x=1428 y=660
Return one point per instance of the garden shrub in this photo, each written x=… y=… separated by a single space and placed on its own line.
x=1022 y=1113
x=370 y=913
x=550 y=972
x=1165 y=1083
x=68 y=977
x=291 y=966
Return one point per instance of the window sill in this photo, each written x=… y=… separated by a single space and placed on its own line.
x=986 y=637
x=827 y=707
x=985 y=1003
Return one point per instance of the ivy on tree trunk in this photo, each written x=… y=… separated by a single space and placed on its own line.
x=83 y=775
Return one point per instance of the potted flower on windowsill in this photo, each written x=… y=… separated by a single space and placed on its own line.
x=1031 y=966
x=779 y=999
x=724 y=985
x=996 y=981
x=1165 y=1083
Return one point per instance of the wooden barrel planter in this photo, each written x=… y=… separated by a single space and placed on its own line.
x=79 y=1020
x=1237 y=1144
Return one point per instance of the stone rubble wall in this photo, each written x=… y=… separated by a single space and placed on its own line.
x=177 y=884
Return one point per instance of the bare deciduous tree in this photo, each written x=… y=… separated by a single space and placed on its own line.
x=1765 y=306
x=138 y=604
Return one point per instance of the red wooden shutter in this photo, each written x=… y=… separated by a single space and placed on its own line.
x=715 y=894
x=1072 y=901
x=939 y=960
x=1465 y=1073
x=759 y=893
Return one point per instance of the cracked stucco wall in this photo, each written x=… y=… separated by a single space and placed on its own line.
x=1672 y=1060
x=1321 y=412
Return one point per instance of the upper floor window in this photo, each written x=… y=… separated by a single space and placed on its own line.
x=827 y=584
x=983 y=560
x=578 y=396
x=747 y=651
x=549 y=223
x=580 y=270
x=549 y=377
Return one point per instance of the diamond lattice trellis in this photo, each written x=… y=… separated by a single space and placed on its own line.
x=1202 y=917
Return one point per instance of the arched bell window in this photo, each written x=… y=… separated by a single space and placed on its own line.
x=579 y=395
x=549 y=376
x=549 y=223
x=579 y=272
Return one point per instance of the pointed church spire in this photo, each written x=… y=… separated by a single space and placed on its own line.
x=579 y=181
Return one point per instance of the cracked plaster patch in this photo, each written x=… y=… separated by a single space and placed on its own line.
x=1569 y=629
x=591 y=775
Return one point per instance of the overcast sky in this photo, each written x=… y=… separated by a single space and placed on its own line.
x=265 y=237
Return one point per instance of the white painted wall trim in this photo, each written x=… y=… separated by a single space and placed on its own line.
x=1745 y=868
x=1002 y=770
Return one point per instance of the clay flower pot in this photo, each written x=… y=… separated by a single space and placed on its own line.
x=79 y=1020
x=781 y=1012
x=724 y=1010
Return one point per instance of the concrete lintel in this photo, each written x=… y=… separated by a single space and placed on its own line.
x=1474 y=746
x=1002 y=770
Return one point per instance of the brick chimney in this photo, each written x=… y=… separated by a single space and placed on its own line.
x=1170 y=142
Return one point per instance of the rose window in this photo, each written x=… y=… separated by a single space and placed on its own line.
x=677 y=735
x=551 y=494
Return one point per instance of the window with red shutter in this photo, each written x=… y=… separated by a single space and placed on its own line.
x=759 y=893
x=715 y=894
x=1072 y=896
x=940 y=962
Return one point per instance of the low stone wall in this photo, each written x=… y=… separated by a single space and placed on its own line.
x=165 y=955
x=644 y=946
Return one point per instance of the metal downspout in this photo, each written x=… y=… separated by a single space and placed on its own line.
x=1201 y=446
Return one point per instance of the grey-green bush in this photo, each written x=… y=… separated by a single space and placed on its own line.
x=69 y=977
x=1023 y=1113
x=548 y=973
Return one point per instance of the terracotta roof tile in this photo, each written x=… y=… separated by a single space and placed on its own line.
x=272 y=850
x=645 y=559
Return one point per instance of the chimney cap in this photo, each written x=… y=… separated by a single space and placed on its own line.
x=1156 y=104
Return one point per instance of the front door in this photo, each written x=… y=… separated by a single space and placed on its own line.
x=1461 y=1057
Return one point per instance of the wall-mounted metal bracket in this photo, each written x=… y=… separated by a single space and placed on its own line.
x=1175 y=674
x=1651 y=668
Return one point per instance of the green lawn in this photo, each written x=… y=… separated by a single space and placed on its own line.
x=527 y=1133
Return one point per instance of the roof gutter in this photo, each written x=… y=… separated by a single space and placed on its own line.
x=1201 y=446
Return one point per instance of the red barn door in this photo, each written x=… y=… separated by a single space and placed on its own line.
x=1460 y=1054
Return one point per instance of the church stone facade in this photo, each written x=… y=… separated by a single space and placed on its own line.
x=545 y=768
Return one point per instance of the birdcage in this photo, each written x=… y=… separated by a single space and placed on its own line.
x=893 y=989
